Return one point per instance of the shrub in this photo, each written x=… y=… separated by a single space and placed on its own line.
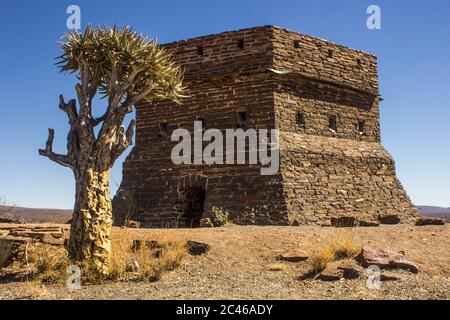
x=50 y=263
x=344 y=248
x=320 y=258
x=221 y=218
x=338 y=248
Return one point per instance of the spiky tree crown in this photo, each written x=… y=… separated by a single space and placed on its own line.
x=113 y=57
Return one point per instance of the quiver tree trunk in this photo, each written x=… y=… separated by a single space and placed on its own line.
x=90 y=238
x=91 y=159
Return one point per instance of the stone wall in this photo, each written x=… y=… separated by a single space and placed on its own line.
x=318 y=102
x=323 y=60
x=225 y=54
x=344 y=171
x=15 y=239
x=238 y=189
x=329 y=177
x=282 y=80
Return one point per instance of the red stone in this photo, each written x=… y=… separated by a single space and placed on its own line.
x=385 y=259
x=294 y=256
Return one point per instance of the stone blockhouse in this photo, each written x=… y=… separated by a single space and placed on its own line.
x=322 y=97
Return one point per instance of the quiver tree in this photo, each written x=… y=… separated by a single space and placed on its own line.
x=125 y=68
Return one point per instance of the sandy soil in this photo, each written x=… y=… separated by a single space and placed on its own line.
x=237 y=267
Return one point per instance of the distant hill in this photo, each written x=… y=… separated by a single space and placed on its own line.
x=62 y=216
x=430 y=211
x=38 y=215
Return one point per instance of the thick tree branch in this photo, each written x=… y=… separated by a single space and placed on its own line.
x=124 y=87
x=48 y=152
x=81 y=100
x=84 y=76
x=130 y=101
x=97 y=121
x=135 y=99
x=123 y=140
x=84 y=93
x=92 y=90
x=85 y=132
x=113 y=79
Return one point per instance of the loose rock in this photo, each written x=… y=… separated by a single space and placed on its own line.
x=50 y=239
x=429 y=221
x=196 y=248
x=368 y=223
x=405 y=264
x=339 y=269
x=390 y=276
x=294 y=256
x=331 y=273
x=132 y=224
x=206 y=223
x=389 y=219
x=351 y=271
x=385 y=259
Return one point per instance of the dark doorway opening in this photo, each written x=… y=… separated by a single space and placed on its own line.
x=190 y=205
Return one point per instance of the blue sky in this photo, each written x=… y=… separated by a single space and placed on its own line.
x=413 y=50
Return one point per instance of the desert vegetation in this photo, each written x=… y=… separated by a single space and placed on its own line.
x=145 y=259
x=339 y=247
x=6 y=211
x=125 y=68
x=221 y=218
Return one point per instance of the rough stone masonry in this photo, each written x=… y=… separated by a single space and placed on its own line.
x=322 y=97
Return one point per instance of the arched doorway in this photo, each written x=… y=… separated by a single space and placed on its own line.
x=190 y=206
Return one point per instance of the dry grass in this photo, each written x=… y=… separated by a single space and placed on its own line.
x=128 y=263
x=338 y=248
x=36 y=289
x=345 y=248
x=49 y=263
x=149 y=260
x=320 y=258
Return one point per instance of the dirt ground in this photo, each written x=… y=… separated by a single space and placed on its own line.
x=238 y=267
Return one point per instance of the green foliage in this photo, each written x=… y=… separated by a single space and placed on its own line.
x=121 y=61
x=221 y=218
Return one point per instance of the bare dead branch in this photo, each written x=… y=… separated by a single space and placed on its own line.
x=48 y=152
x=49 y=143
x=70 y=109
